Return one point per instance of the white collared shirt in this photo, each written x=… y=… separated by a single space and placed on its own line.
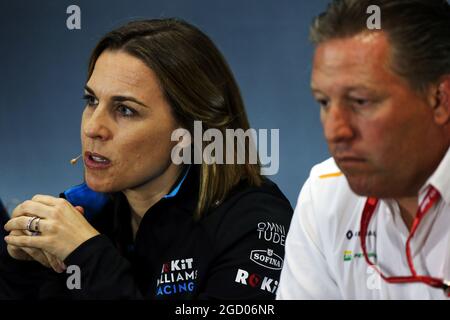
x=323 y=253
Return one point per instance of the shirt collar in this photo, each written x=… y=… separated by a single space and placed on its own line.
x=440 y=179
x=177 y=186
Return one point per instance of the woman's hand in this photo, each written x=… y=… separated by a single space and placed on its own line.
x=30 y=254
x=62 y=227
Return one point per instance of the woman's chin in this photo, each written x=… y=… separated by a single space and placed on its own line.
x=99 y=186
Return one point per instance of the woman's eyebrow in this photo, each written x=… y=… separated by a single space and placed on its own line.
x=118 y=98
x=86 y=87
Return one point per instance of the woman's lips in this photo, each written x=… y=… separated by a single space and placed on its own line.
x=96 y=161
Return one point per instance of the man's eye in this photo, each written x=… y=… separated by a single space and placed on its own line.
x=90 y=100
x=125 y=111
x=360 y=101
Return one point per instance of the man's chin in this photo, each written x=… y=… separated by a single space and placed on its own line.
x=365 y=187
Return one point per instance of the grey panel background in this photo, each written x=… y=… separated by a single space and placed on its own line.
x=43 y=70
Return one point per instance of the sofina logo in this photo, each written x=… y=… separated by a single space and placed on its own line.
x=267 y=258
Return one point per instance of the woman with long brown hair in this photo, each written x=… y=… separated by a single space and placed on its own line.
x=142 y=226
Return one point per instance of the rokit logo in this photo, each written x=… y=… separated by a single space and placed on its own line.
x=267 y=258
x=177 y=276
x=271 y=232
x=255 y=280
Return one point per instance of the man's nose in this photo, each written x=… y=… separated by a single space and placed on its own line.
x=337 y=124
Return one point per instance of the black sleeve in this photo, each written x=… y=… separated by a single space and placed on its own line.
x=3 y=219
x=249 y=250
x=104 y=273
x=23 y=279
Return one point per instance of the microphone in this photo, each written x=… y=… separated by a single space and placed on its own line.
x=74 y=160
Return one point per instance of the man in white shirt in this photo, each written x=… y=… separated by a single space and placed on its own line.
x=373 y=222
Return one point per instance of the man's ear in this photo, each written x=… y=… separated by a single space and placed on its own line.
x=441 y=105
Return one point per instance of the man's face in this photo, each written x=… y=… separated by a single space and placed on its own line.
x=378 y=129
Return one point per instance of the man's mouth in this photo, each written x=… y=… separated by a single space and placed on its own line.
x=348 y=159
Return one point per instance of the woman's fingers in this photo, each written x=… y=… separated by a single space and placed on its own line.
x=42 y=206
x=38 y=256
x=62 y=226
x=23 y=222
x=20 y=253
x=19 y=223
x=44 y=258
x=80 y=209
x=48 y=200
x=17 y=253
x=26 y=241
x=31 y=208
x=56 y=264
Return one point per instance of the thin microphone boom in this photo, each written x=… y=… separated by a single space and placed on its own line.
x=74 y=160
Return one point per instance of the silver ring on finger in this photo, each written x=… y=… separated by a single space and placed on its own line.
x=30 y=222
x=36 y=225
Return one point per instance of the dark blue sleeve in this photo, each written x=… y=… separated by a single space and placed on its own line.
x=3 y=219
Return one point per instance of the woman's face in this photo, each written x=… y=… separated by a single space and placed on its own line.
x=126 y=125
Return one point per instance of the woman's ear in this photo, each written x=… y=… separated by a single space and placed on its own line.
x=441 y=107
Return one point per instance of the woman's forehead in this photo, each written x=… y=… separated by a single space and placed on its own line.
x=117 y=72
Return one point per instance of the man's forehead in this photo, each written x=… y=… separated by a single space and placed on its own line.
x=361 y=50
x=348 y=61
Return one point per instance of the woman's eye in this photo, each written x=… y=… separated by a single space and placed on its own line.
x=125 y=111
x=322 y=102
x=90 y=100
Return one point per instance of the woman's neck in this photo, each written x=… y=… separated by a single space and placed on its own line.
x=145 y=196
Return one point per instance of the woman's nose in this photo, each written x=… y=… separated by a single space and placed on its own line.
x=96 y=125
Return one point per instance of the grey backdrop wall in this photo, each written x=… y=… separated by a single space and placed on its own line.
x=43 y=70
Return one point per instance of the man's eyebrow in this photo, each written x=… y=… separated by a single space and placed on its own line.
x=346 y=89
x=355 y=88
x=118 y=98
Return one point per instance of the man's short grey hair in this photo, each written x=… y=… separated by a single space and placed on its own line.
x=418 y=32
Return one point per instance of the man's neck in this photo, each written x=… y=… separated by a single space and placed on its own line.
x=408 y=209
